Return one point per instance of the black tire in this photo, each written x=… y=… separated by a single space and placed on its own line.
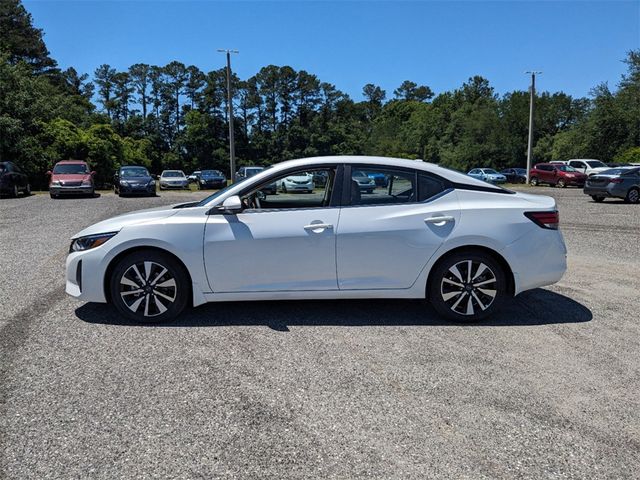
x=452 y=301
x=53 y=196
x=534 y=181
x=152 y=299
x=561 y=183
x=27 y=190
x=15 y=192
x=597 y=199
x=633 y=196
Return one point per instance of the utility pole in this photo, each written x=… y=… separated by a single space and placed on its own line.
x=532 y=95
x=232 y=145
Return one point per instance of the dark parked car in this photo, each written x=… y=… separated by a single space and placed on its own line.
x=71 y=177
x=515 y=175
x=210 y=179
x=621 y=182
x=365 y=183
x=133 y=180
x=556 y=174
x=13 y=180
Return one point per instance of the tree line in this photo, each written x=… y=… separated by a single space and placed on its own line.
x=175 y=116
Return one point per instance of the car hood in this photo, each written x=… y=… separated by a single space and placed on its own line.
x=212 y=177
x=599 y=169
x=70 y=177
x=143 y=179
x=115 y=224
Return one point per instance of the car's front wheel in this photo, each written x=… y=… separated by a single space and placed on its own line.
x=467 y=286
x=534 y=181
x=149 y=286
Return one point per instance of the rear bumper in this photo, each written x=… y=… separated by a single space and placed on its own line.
x=546 y=267
x=609 y=190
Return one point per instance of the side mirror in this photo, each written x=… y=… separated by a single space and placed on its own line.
x=49 y=173
x=232 y=204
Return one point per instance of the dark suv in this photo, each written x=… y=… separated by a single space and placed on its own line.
x=556 y=174
x=13 y=180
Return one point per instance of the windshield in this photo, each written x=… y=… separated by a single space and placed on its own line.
x=172 y=173
x=250 y=172
x=490 y=170
x=565 y=168
x=70 y=168
x=134 y=172
x=210 y=173
x=595 y=164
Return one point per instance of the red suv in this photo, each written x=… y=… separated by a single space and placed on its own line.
x=71 y=177
x=556 y=174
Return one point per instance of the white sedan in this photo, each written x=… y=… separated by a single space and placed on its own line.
x=432 y=233
x=300 y=182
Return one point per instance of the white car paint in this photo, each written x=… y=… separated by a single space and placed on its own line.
x=295 y=183
x=359 y=251
x=585 y=165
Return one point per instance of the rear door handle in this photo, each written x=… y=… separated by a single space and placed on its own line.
x=439 y=220
x=318 y=226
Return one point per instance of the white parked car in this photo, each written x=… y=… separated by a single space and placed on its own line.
x=300 y=182
x=173 y=179
x=488 y=175
x=432 y=233
x=587 y=166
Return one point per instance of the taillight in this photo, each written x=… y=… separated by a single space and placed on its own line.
x=549 y=220
x=615 y=180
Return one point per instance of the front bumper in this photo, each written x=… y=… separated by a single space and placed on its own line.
x=64 y=190
x=299 y=186
x=213 y=184
x=177 y=186
x=137 y=189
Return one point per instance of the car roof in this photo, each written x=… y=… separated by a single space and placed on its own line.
x=132 y=166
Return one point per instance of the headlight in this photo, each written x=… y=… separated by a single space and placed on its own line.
x=55 y=183
x=89 y=242
x=202 y=180
x=86 y=183
x=124 y=182
x=151 y=182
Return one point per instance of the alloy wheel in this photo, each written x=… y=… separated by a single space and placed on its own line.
x=633 y=196
x=533 y=181
x=148 y=288
x=469 y=286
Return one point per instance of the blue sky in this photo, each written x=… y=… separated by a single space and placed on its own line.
x=576 y=44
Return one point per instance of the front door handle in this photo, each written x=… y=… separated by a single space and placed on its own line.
x=318 y=227
x=441 y=220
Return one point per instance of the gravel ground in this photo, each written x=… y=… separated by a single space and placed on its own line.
x=547 y=389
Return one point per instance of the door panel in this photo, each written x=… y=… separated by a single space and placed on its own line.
x=272 y=250
x=386 y=246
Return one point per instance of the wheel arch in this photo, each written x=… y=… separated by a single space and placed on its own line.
x=475 y=248
x=114 y=261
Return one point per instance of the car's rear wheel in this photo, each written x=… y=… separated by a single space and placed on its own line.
x=597 y=198
x=467 y=286
x=149 y=286
x=562 y=183
x=633 y=196
x=534 y=181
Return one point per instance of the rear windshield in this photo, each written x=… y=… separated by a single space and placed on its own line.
x=490 y=170
x=71 y=168
x=134 y=172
